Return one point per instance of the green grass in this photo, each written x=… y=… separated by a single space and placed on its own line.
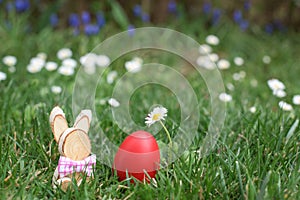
x=252 y=158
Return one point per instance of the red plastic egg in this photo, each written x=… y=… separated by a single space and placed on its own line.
x=138 y=153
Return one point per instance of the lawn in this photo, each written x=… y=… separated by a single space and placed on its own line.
x=255 y=157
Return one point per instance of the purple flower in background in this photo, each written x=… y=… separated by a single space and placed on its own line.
x=85 y=17
x=216 y=16
x=131 y=30
x=100 y=19
x=91 y=29
x=137 y=10
x=269 y=28
x=244 y=24
x=1 y=1
x=22 y=5
x=172 y=6
x=74 y=20
x=278 y=25
x=206 y=7
x=9 y=6
x=237 y=16
x=53 y=19
x=145 y=17
x=247 y=5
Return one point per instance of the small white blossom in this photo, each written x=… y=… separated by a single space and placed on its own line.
x=34 y=68
x=66 y=71
x=236 y=76
x=64 y=53
x=158 y=114
x=230 y=86
x=102 y=61
x=296 y=100
x=225 y=97
x=111 y=77
x=2 y=76
x=223 y=64
x=113 y=102
x=69 y=62
x=253 y=83
x=51 y=66
x=36 y=61
x=213 y=57
x=285 y=106
x=266 y=59
x=134 y=65
x=206 y=62
x=279 y=93
x=42 y=55
x=9 y=60
x=242 y=74
x=238 y=61
x=275 y=84
x=212 y=40
x=88 y=60
x=252 y=109
x=12 y=69
x=56 y=89
x=205 y=49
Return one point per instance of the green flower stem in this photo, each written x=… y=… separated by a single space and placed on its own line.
x=168 y=134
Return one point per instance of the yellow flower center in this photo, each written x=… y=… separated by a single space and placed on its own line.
x=156 y=116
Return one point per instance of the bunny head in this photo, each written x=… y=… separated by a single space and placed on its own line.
x=73 y=142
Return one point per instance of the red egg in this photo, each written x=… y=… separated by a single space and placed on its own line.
x=138 y=153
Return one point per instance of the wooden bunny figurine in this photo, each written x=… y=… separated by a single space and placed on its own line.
x=74 y=147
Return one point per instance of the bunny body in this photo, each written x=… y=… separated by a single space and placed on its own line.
x=74 y=147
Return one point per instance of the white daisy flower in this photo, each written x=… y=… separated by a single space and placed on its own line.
x=266 y=59
x=230 y=86
x=285 y=106
x=212 y=40
x=102 y=101
x=37 y=62
x=113 y=102
x=134 y=65
x=102 y=61
x=242 y=74
x=296 y=100
x=42 y=55
x=12 y=69
x=111 y=76
x=158 y=114
x=56 y=89
x=275 y=84
x=238 y=61
x=64 y=53
x=66 y=71
x=34 y=68
x=51 y=66
x=69 y=62
x=206 y=62
x=88 y=60
x=236 y=76
x=223 y=64
x=2 y=76
x=253 y=83
x=205 y=49
x=213 y=57
x=9 y=60
x=252 y=109
x=279 y=93
x=225 y=97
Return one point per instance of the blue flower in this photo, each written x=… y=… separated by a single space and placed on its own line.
x=100 y=19
x=53 y=19
x=74 y=20
x=131 y=30
x=247 y=5
x=145 y=17
x=216 y=16
x=269 y=28
x=85 y=17
x=172 y=6
x=206 y=8
x=237 y=16
x=244 y=24
x=91 y=29
x=137 y=10
x=279 y=26
x=22 y=5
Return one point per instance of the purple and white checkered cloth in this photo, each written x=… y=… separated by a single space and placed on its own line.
x=67 y=166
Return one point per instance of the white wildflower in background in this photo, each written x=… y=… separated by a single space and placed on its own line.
x=230 y=86
x=39 y=62
x=213 y=57
x=12 y=69
x=69 y=62
x=102 y=101
x=285 y=106
x=34 y=67
x=64 y=53
x=113 y=102
x=236 y=76
x=158 y=114
x=2 y=76
x=51 y=66
x=205 y=49
x=102 y=61
x=275 y=84
x=111 y=76
x=66 y=71
x=279 y=93
x=225 y=97
x=56 y=89
x=238 y=61
x=296 y=99
x=88 y=60
x=42 y=55
x=242 y=74
x=134 y=65
x=223 y=64
x=9 y=60
x=252 y=109
x=205 y=62
x=212 y=40
x=253 y=83
x=266 y=59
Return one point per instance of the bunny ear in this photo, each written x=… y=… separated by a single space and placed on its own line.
x=58 y=122
x=83 y=120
